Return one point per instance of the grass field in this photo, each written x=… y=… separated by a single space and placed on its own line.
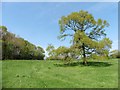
x=0 y=74
x=48 y=74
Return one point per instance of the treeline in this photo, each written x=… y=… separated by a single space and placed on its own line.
x=72 y=53
x=115 y=54
x=14 y=47
x=62 y=53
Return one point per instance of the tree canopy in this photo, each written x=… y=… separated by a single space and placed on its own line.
x=88 y=34
x=14 y=47
x=115 y=54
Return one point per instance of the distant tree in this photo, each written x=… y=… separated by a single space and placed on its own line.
x=88 y=34
x=62 y=52
x=115 y=54
x=0 y=43
x=40 y=53
x=51 y=52
x=14 y=47
x=66 y=54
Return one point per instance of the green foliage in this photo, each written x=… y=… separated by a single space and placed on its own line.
x=0 y=49
x=14 y=47
x=63 y=53
x=98 y=57
x=60 y=53
x=115 y=54
x=50 y=50
x=88 y=34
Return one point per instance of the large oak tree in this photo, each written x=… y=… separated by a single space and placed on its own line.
x=88 y=34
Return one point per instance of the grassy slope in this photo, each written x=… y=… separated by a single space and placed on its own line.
x=44 y=74
x=0 y=74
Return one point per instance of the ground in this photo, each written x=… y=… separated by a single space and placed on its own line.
x=0 y=74
x=54 y=74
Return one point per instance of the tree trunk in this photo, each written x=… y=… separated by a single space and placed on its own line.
x=84 y=55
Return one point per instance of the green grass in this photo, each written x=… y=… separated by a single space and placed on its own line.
x=0 y=74
x=48 y=74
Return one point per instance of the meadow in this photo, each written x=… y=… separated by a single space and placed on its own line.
x=55 y=74
x=0 y=74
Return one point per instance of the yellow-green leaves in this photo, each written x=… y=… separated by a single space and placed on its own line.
x=102 y=23
x=76 y=21
x=80 y=37
x=99 y=22
x=88 y=33
x=106 y=42
x=50 y=48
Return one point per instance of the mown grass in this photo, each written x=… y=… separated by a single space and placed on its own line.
x=0 y=74
x=54 y=74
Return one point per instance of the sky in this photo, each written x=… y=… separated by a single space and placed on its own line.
x=37 y=22
x=60 y=0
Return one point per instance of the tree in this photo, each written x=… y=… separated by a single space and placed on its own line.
x=0 y=43
x=51 y=52
x=60 y=53
x=14 y=47
x=115 y=54
x=88 y=34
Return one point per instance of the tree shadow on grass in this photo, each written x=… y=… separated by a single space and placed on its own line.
x=94 y=64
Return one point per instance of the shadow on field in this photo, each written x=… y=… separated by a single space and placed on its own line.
x=94 y=64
